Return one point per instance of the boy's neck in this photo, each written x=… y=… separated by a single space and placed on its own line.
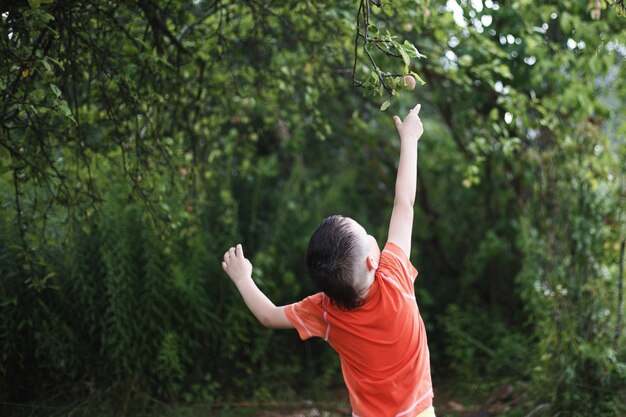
x=364 y=288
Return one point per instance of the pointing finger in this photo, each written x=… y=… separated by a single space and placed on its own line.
x=239 y=250
x=417 y=108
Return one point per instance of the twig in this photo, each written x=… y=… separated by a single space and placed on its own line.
x=364 y=11
x=485 y=349
x=158 y=27
x=18 y=210
x=356 y=82
x=620 y=290
x=363 y=21
x=540 y=408
x=196 y=22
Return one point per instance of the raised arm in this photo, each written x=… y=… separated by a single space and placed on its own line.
x=239 y=269
x=401 y=223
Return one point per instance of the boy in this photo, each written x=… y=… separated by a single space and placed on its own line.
x=366 y=308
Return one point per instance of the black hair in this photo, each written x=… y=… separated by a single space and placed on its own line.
x=330 y=260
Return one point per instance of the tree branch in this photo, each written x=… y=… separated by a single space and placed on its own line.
x=196 y=22
x=157 y=26
x=620 y=291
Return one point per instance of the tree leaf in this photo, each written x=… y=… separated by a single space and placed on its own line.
x=46 y=64
x=37 y=95
x=56 y=61
x=405 y=58
x=412 y=50
x=55 y=90
x=418 y=78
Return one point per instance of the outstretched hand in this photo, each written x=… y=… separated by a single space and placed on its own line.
x=236 y=265
x=411 y=127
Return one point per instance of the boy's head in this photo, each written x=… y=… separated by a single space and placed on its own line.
x=341 y=259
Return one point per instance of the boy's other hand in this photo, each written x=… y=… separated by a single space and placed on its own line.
x=236 y=265
x=412 y=127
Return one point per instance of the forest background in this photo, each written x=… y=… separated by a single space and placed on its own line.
x=141 y=139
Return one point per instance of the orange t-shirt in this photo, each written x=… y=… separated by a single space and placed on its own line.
x=381 y=344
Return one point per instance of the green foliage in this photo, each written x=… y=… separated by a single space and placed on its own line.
x=568 y=278
x=138 y=141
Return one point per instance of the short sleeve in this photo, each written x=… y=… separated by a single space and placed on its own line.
x=308 y=316
x=396 y=263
